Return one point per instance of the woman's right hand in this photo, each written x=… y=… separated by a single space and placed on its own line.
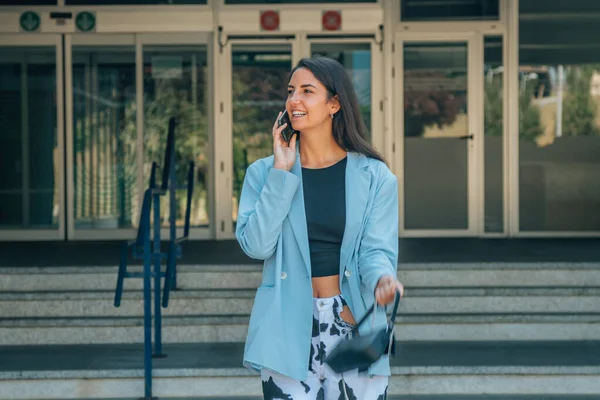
x=285 y=154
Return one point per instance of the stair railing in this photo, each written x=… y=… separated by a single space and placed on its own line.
x=147 y=248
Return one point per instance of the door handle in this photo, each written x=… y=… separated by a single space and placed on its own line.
x=465 y=137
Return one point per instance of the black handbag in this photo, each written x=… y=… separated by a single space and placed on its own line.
x=362 y=351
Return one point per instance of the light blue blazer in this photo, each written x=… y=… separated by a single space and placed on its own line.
x=271 y=226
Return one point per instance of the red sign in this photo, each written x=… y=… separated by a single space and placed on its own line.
x=269 y=20
x=332 y=20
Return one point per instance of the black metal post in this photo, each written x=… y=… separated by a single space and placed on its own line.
x=147 y=302
x=157 y=256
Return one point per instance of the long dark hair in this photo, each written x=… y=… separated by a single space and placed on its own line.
x=349 y=130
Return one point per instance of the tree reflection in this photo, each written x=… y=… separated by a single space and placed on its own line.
x=258 y=94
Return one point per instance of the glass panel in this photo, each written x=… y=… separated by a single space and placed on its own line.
x=260 y=75
x=268 y=2
x=356 y=58
x=29 y=196
x=558 y=8
x=494 y=133
x=449 y=10
x=11 y=210
x=104 y=137
x=559 y=119
x=130 y=2
x=28 y=2
x=176 y=85
x=435 y=128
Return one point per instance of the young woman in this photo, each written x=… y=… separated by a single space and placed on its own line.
x=322 y=212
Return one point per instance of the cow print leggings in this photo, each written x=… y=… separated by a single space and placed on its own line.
x=322 y=383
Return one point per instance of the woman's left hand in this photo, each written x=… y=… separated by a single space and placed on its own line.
x=385 y=292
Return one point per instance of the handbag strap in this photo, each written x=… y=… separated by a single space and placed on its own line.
x=395 y=310
x=372 y=308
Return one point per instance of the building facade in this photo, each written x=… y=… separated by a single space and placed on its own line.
x=488 y=111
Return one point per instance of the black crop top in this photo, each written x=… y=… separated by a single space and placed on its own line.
x=325 y=206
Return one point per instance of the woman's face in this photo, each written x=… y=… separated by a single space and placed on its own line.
x=307 y=103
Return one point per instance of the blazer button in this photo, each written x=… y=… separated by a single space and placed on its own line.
x=283 y=275
x=348 y=273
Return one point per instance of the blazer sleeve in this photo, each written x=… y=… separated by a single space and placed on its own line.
x=264 y=204
x=378 y=251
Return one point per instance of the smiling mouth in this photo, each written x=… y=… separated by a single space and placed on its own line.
x=298 y=114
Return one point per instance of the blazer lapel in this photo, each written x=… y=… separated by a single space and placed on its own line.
x=358 y=182
x=297 y=217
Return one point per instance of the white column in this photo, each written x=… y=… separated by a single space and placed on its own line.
x=511 y=105
x=391 y=16
x=559 y=100
x=139 y=101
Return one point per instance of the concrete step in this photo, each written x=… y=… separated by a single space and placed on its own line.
x=568 y=383
x=30 y=279
x=478 y=301
x=562 y=274
x=233 y=328
x=226 y=302
x=525 y=371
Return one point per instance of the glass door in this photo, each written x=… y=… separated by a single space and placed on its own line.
x=360 y=57
x=438 y=131
x=121 y=92
x=259 y=73
x=31 y=137
x=259 y=70
x=104 y=187
x=176 y=83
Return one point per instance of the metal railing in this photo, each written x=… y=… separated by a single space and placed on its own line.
x=148 y=249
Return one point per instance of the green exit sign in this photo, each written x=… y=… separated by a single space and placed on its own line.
x=30 y=21
x=85 y=21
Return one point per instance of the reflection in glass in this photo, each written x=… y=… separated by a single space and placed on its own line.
x=28 y=2
x=559 y=117
x=435 y=125
x=494 y=133
x=271 y=2
x=559 y=151
x=29 y=154
x=356 y=58
x=259 y=84
x=104 y=137
x=131 y=2
x=176 y=84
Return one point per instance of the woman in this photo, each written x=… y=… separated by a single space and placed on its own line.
x=322 y=213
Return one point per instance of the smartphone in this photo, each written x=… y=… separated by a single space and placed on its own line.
x=288 y=131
